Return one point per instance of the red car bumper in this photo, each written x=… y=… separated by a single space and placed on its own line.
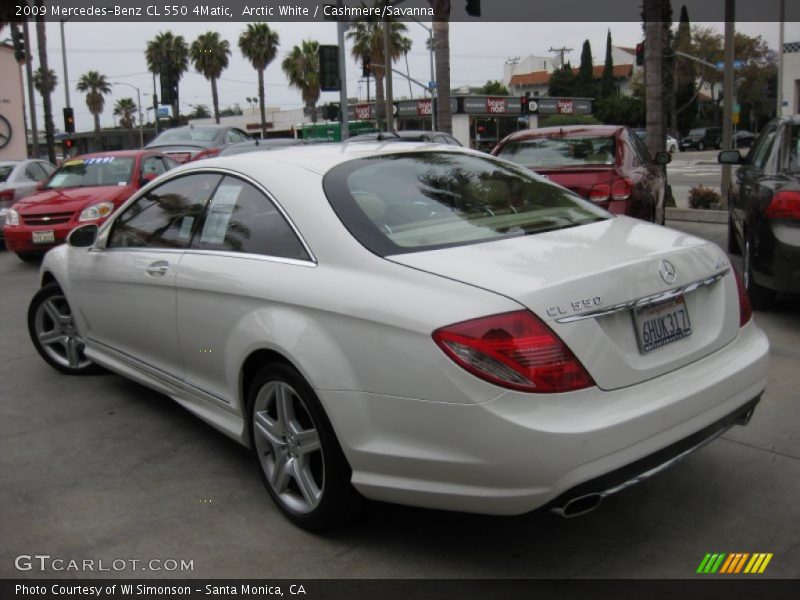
x=21 y=238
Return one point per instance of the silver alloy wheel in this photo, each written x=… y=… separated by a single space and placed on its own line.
x=55 y=329
x=288 y=446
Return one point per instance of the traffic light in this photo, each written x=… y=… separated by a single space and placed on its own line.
x=67 y=144
x=330 y=112
x=18 y=38
x=69 y=119
x=329 y=68
x=640 y=54
x=474 y=8
x=366 y=67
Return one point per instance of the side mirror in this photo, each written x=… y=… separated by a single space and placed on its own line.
x=662 y=158
x=83 y=236
x=147 y=178
x=729 y=157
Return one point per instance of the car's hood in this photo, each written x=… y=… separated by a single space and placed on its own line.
x=561 y=274
x=73 y=199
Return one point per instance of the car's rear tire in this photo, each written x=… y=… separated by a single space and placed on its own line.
x=733 y=244
x=701 y=146
x=55 y=335
x=30 y=256
x=760 y=297
x=298 y=456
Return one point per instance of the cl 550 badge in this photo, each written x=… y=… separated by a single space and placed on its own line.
x=574 y=306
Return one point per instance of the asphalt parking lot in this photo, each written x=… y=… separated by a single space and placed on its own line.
x=102 y=468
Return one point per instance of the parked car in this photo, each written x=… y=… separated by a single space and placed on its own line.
x=18 y=179
x=261 y=145
x=193 y=142
x=410 y=323
x=606 y=164
x=409 y=135
x=84 y=189
x=670 y=146
x=764 y=211
x=702 y=138
x=743 y=139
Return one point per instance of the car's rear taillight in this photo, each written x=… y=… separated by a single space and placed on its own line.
x=745 y=310
x=600 y=192
x=514 y=350
x=207 y=153
x=621 y=189
x=6 y=198
x=784 y=205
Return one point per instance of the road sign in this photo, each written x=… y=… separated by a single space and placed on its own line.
x=737 y=64
x=432 y=85
x=737 y=107
x=736 y=118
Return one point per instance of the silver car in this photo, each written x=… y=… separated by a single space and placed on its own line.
x=19 y=178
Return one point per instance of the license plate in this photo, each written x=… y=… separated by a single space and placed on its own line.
x=661 y=324
x=44 y=237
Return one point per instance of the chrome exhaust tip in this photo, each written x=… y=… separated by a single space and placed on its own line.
x=745 y=418
x=579 y=506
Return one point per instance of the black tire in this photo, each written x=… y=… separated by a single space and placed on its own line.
x=733 y=244
x=701 y=146
x=30 y=256
x=760 y=297
x=65 y=350
x=281 y=461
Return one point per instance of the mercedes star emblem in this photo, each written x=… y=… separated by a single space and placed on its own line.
x=667 y=271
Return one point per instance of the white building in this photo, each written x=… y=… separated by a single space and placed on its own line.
x=791 y=79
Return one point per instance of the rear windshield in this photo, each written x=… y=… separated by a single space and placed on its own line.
x=411 y=202
x=561 y=152
x=187 y=134
x=102 y=170
x=5 y=172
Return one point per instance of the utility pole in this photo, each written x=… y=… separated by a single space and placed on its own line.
x=387 y=59
x=31 y=95
x=781 y=18
x=560 y=51
x=727 y=91
x=344 y=113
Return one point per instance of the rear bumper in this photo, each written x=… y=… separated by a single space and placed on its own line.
x=520 y=451
x=778 y=261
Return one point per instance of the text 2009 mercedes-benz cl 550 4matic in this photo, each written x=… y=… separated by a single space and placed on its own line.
x=417 y=324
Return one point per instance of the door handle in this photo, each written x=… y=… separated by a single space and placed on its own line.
x=160 y=267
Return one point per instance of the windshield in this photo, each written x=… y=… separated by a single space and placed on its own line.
x=561 y=152
x=5 y=172
x=187 y=134
x=91 y=172
x=697 y=132
x=425 y=200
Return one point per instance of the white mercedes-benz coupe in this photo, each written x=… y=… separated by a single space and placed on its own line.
x=413 y=323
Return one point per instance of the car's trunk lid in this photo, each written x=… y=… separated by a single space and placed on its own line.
x=610 y=264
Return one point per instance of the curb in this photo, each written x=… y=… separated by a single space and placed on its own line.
x=697 y=215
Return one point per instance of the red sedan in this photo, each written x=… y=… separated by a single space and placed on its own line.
x=606 y=164
x=86 y=189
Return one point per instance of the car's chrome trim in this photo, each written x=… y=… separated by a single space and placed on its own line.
x=228 y=253
x=645 y=300
x=169 y=175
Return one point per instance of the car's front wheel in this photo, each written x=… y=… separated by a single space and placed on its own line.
x=55 y=335
x=299 y=458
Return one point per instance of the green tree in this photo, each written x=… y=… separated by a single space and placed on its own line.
x=621 y=110
x=301 y=67
x=608 y=86
x=168 y=50
x=368 y=40
x=125 y=109
x=96 y=86
x=210 y=53
x=47 y=105
x=200 y=112
x=494 y=88
x=45 y=83
x=562 y=82
x=584 y=85
x=259 y=45
x=685 y=76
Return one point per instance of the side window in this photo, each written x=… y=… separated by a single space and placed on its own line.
x=640 y=153
x=152 y=165
x=46 y=168
x=29 y=174
x=759 y=155
x=242 y=219
x=166 y=216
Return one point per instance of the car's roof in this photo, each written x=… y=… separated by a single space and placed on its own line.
x=320 y=158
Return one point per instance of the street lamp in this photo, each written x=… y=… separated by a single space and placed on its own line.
x=139 y=107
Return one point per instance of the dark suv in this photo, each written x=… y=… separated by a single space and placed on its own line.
x=702 y=138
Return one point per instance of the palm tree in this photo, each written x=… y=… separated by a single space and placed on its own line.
x=125 y=109
x=367 y=38
x=41 y=42
x=441 y=47
x=45 y=83
x=96 y=86
x=259 y=44
x=301 y=67
x=210 y=53
x=167 y=50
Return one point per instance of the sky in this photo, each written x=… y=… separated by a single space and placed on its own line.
x=478 y=53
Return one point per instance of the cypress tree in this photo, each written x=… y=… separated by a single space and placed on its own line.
x=607 y=85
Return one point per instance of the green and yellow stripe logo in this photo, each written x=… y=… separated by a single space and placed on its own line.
x=735 y=563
